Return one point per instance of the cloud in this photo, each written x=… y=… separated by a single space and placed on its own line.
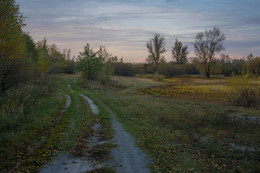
x=125 y=25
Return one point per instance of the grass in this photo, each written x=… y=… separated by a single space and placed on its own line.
x=48 y=132
x=182 y=135
x=186 y=136
x=13 y=143
x=196 y=89
x=63 y=135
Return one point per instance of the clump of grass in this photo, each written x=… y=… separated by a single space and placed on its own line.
x=17 y=103
x=156 y=77
x=244 y=90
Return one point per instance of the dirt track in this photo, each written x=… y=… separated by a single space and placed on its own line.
x=126 y=157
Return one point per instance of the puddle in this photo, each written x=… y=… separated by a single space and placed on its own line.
x=250 y=119
x=66 y=163
x=67 y=104
x=243 y=148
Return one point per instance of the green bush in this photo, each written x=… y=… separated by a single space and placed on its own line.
x=149 y=76
x=158 y=77
x=139 y=75
x=244 y=90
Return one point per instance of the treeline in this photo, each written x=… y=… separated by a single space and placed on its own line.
x=222 y=66
x=206 y=44
x=21 y=59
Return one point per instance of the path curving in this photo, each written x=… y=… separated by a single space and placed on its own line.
x=127 y=157
x=67 y=104
x=93 y=107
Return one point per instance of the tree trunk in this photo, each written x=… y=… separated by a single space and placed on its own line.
x=1 y=88
x=1 y=93
x=208 y=74
x=89 y=83
x=208 y=71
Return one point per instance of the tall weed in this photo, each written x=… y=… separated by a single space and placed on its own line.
x=17 y=103
x=244 y=90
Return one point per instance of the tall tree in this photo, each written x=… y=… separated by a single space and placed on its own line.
x=103 y=54
x=12 y=44
x=156 y=48
x=43 y=60
x=206 y=45
x=179 y=52
x=89 y=63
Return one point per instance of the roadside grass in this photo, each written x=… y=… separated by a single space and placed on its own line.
x=46 y=131
x=15 y=142
x=187 y=136
x=63 y=136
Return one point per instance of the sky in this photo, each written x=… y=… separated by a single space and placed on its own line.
x=124 y=26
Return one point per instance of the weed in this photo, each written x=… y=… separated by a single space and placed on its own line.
x=244 y=90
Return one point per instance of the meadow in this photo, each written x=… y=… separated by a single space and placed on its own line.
x=184 y=123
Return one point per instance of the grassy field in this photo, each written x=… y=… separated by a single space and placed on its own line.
x=185 y=135
x=182 y=123
x=196 y=89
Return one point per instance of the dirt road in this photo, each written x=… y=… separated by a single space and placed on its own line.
x=125 y=157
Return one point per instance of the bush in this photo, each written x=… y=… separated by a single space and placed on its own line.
x=124 y=69
x=167 y=70
x=158 y=77
x=149 y=76
x=244 y=91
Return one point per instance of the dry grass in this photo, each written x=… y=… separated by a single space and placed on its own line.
x=194 y=88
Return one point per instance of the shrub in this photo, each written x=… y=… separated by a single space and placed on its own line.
x=244 y=90
x=138 y=75
x=158 y=77
x=149 y=76
x=124 y=69
x=167 y=70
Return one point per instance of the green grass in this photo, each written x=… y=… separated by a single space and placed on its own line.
x=37 y=140
x=186 y=136
x=63 y=136
x=179 y=135
x=13 y=143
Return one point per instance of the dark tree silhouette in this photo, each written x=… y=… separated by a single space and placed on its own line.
x=179 y=52
x=156 y=47
x=206 y=45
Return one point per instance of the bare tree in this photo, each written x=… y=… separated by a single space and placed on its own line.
x=206 y=45
x=156 y=47
x=179 y=52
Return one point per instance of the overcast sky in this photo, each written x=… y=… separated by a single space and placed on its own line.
x=124 y=26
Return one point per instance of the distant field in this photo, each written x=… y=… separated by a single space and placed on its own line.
x=194 y=88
